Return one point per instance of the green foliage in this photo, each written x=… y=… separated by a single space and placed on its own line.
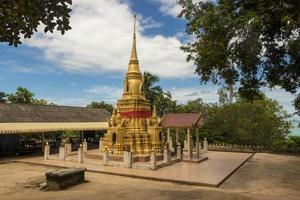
x=161 y=99
x=291 y=142
x=252 y=43
x=164 y=103
x=261 y=122
x=150 y=88
x=3 y=97
x=22 y=18
x=68 y=134
x=101 y=105
x=24 y=96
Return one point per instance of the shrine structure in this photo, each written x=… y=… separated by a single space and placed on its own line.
x=134 y=125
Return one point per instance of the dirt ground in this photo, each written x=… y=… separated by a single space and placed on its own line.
x=264 y=176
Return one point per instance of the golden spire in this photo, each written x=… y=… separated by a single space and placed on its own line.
x=133 y=62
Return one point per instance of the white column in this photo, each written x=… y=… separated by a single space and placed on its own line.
x=168 y=135
x=205 y=145
x=171 y=144
x=62 y=153
x=189 y=144
x=105 y=156
x=167 y=155
x=46 y=151
x=179 y=151
x=84 y=145
x=197 y=142
x=127 y=159
x=80 y=154
x=68 y=148
x=153 y=160
x=100 y=144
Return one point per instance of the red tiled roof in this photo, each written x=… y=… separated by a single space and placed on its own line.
x=180 y=120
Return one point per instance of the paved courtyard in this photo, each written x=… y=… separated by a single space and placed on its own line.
x=207 y=173
x=262 y=177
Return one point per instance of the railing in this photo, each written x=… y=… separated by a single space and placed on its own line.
x=251 y=148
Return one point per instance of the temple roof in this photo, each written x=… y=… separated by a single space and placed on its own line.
x=25 y=113
x=181 y=120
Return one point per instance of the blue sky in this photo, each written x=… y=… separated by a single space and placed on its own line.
x=88 y=63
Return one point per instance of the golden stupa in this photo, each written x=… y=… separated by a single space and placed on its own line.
x=133 y=126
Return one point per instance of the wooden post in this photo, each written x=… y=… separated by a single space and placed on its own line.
x=177 y=135
x=43 y=142
x=197 y=142
x=189 y=144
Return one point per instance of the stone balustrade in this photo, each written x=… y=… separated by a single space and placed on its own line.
x=250 y=148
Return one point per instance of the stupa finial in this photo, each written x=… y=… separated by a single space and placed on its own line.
x=133 y=62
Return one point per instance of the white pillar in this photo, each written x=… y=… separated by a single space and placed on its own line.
x=189 y=144
x=127 y=159
x=171 y=144
x=205 y=145
x=100 y=144
x=62 y=153
x=105 y=156
x=46 y=151
x=84 y=145
x=68 y=148
x=167 y=155
x=197 y=142
x=80 y=154
x=168 y=135
x=179 y=151
x=153 y=160
x=185 y=145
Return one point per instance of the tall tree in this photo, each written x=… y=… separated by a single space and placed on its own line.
x=261 y=122
x=25 y=96
x=101 y=104
x=151 y=88
x=22 y=96
x=252 y=43
x=21 y=18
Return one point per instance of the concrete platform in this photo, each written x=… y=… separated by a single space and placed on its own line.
x=212 y=172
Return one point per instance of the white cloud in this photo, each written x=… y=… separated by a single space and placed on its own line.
x=183 y=95
x=100 y=41
x=169 y=7
x=106 y=93
x=172 y=8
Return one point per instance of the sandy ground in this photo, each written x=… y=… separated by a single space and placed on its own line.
x=264 y=176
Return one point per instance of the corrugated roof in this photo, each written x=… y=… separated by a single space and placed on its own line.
x=25 y=113
x=181 y=120
x=22 y=128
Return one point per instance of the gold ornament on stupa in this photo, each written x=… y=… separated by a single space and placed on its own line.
x=133 y=126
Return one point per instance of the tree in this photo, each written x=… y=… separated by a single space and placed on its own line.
x=261 y=122
x=3 y=97
x=226 y=95
x=101 y=105
x=151 y=90
x=25 y=96
x=252 y=43
x=164 y=103
x=22 y=96
x=155 y=94
x=22 y=18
